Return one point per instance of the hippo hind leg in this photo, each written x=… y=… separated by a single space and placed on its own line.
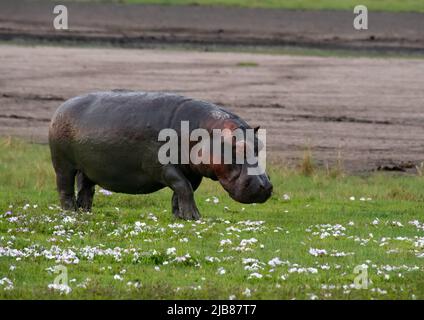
x=65 y=181
x=85 y=192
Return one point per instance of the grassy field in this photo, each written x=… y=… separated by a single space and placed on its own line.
x=377 y=5
x=304 y=243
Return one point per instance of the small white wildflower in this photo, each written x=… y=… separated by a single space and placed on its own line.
x=221 y=271
x=247 y=292
x=317 y=252
x=118 y=277
x=275 y=262
x=7 y=283
x=397 y=224
x=255 y=275
x=171 y=251
x=225 y=242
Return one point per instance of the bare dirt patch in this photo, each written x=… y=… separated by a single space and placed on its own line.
x=368 y=110
x=141 y=25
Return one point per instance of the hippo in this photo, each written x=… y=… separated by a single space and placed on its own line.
x=110 y=139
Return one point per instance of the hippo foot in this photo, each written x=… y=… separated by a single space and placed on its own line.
x=84 y=205
x=68 y=205
x=189 y=212
x=186 y=214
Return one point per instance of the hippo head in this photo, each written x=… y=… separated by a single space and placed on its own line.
x=242 y=179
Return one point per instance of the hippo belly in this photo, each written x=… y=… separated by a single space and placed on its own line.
x=118 y=171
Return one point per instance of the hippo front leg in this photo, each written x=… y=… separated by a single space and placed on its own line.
x=183 y=205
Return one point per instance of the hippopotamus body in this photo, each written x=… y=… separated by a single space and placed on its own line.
x=110 y=139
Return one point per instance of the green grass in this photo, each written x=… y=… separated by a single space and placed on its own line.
x=247 y=64
x=377 y=5
x=38 y=236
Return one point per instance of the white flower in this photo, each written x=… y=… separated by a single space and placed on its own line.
x=176 y=226
x=312 y=296
x=7 y=283
x=225 y=242
x=317 y=252
x=303 y=270
x=139 y=224
x=352 y=198
x=286 y=197
x=246 y=242
x=221 y=271
x=215 y=200
x=397 y=224
x=118 y=277
x=247 y=292
x=212 y=259
x=232 y=297
x=170 y=251
x=255 y=275
x=249 y=260
x=275 y=262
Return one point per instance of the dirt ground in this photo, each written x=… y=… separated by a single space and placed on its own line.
x=138 y=25
x=368 y=110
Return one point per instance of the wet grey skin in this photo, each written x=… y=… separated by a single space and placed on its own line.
x=110 y=139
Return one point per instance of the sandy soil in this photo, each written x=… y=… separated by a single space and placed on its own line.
x=371 y=111
x=138 y=25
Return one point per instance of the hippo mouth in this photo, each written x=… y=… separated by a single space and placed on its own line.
x=248 y=194
x=260 y=197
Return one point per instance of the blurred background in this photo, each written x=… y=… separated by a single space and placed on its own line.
x=299 y=69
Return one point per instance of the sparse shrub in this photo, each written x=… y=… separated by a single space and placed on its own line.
x=247 y=64
x=420 y=169
x=307 y=167
x=337 y=170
